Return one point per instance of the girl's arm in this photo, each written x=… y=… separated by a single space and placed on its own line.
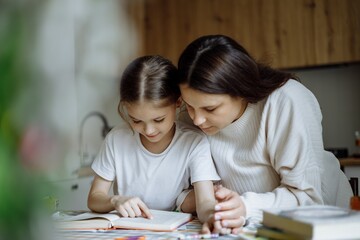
x=204 y=200
x=98 y=198
x=188 y=203
x=205 y=206
x=100 y=201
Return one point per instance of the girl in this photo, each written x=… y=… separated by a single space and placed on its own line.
x=264 y=129
x=156 y=158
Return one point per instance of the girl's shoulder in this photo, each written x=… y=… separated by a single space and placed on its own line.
x=188 y=129
x=120 y=131
x=188 y=136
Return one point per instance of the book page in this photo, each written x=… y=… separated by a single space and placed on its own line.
x=316 y=212
x=82 y=215
x=162 y=220
x=93 y=223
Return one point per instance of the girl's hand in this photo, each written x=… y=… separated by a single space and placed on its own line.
x=130 y=206
x=230 y=209
x=212 y=226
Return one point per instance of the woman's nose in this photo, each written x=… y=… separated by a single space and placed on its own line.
x=198 y=119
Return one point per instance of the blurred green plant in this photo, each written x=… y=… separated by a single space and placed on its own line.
x=21 y=188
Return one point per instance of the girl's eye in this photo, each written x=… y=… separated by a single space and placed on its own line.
x=159 y=120
x=136 y=121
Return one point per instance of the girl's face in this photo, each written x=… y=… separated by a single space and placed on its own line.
x=154 y=123
x=212 y=112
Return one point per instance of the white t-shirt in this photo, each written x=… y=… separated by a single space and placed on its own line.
x=157 y=179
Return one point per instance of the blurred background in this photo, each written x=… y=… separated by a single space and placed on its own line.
x=60 y=61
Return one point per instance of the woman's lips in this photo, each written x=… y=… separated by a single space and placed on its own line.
x=205 y=128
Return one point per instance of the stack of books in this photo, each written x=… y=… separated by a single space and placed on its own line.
x=310 y=222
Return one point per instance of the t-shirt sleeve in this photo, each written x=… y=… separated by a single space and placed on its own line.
x=202 y=167
x=104 y=163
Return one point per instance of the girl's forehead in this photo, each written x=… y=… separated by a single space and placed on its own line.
x=148 y=103
x=147 y=110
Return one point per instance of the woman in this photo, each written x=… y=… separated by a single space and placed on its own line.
x=265 y=132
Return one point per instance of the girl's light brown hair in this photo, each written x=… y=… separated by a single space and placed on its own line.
x=149 y=78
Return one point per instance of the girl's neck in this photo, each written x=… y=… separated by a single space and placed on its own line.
x=160 y=146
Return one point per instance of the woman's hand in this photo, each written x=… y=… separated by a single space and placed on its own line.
x=230 y=209
x=130 y=206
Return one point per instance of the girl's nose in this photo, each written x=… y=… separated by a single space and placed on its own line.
x=149 y=129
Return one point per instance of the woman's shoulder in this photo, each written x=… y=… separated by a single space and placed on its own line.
x=293 y=98
x=292 y=91
x=291 y=86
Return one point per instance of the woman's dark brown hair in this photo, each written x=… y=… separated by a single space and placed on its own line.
x=217 y=64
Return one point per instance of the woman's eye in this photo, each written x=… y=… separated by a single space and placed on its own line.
x=159 y=120
x=189 y=107
x=136 y=121
x=210 y=109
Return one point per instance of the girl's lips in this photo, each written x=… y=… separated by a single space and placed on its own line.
x=152 y=136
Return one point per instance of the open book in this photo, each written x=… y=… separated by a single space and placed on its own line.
x=313 y=222
x=162 y=220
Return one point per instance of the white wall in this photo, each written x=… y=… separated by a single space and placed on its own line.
x=83 y=46
x=105 y=42
x=337 y=89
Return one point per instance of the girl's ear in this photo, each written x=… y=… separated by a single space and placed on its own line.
x=179 y=102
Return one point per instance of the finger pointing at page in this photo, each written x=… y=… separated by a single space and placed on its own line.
x=145 y=212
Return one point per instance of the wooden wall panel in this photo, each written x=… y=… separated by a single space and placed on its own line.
x=284 y=33
x=337 y=31
x=134 y=11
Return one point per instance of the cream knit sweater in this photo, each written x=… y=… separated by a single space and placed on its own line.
x=273 y=155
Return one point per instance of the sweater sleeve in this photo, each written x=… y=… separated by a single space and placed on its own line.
x=294 y=147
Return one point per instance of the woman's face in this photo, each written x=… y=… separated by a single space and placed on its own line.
x=212 y=112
